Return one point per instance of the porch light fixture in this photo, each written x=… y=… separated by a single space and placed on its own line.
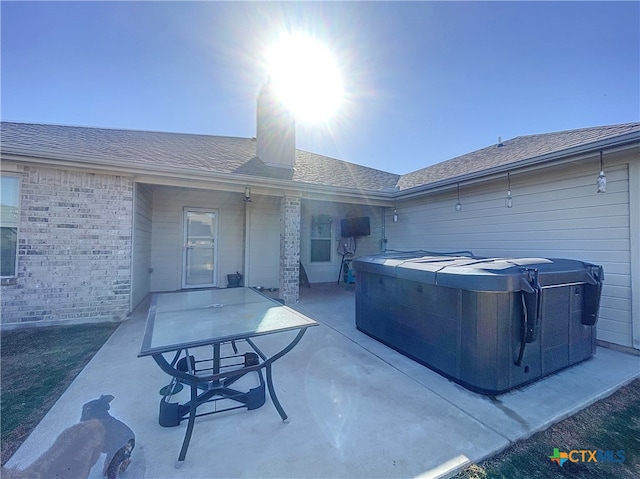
x=601 y=182
x=458 y=204
x=395 y=213
x=508 y=201
x=247 y=195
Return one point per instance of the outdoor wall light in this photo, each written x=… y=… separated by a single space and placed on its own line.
x=247 y=195
x=395 y=215
x=601 y=182
x=508 y=201
x=458 y=204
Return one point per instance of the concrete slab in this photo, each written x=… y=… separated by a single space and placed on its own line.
x=357 y=408
x=514 y=415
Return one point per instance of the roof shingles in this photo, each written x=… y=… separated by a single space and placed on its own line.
x=516 y=150
x=228 y=155
x=203 y=153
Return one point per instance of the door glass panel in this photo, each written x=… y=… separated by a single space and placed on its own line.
x=200 y=237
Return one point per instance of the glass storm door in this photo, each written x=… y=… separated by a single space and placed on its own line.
x=199 y=258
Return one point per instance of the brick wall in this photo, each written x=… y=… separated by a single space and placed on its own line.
x=74 y=248
x=289 y=249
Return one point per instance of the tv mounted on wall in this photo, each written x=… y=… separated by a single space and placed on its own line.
x=352 y=227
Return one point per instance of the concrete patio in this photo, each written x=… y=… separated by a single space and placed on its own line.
x=357 y=408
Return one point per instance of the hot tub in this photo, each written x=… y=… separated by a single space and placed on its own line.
x=490 y=324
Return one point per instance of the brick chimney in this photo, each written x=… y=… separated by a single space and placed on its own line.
x=276 y=130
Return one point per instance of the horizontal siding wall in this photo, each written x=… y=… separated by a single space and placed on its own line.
x=327 y=272
x=141 y=263
x=556 y=213
x=167 y=233
x=263 y=258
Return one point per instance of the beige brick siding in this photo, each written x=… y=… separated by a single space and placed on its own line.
x=289 y=249
x=74 y=247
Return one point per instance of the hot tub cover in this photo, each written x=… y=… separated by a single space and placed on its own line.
x=475 y=273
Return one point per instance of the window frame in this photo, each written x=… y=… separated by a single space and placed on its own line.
x=10 y=279
x=314 y=237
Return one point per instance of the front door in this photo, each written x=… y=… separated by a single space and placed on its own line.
x=199 y=257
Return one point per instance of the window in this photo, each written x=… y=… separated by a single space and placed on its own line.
x=321 y=238
x=9 y=215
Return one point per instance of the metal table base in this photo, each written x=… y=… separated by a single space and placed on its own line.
x=215 y=386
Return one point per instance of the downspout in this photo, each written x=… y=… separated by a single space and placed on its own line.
x=132 y=276
x=383 y=240
x=246 y=264
x=634 y=249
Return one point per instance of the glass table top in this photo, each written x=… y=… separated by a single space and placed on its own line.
x=195 y=318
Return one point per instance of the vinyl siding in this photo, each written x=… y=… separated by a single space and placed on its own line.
x=328 y=272
x=263 y=261
x=141 y=261
x=167 y=233
x=556 y=213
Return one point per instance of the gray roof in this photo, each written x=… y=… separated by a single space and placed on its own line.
x=516 y=151
x=211 y=155
x=203 y=154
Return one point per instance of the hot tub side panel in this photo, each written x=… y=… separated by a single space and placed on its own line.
x=490 y=330
x=467 y=336
x=582 y=337
x=418 y=320
x=564 y=339
x=476 y=337
x=435 y=334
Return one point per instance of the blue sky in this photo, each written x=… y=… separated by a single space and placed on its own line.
x=426 y=81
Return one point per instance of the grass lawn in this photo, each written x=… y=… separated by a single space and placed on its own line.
x=612 y=424
x=38 y=364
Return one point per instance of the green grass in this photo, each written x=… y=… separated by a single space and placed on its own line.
x=610 y=424
x=38 y=364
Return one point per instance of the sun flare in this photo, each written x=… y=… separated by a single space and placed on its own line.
x=306 y=77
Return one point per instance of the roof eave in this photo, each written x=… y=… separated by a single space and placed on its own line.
x=561 y=156
x=382 y=198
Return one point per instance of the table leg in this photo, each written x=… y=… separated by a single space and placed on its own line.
x=190 y=424
x=267 y=365
x=272 y=393
x=216 y=358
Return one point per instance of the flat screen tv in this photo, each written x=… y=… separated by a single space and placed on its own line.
x=351 y=227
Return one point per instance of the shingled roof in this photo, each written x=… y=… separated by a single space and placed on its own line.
x=511 y=152
x=211 y=155
x=203 y=154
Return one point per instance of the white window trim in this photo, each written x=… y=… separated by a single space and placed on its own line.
x=9 y=279
x=313 y=238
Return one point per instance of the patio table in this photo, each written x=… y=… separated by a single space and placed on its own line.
x=187 y=323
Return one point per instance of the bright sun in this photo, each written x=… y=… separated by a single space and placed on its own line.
x=306 y=77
